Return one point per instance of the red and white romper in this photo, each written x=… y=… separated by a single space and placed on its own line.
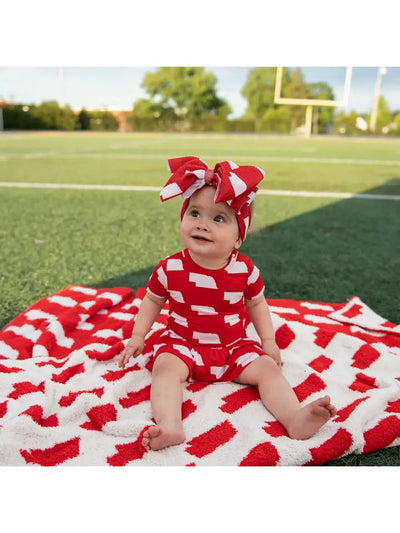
x=207 y=315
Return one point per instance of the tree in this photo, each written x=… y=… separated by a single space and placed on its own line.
x=19 y=116
x=296 y=88
x=109 y=121
x=346 y=124
x=189 y=92
x=103 y=120
x=384 y=117
x=212 y=121
x=323 y=116
x=51 y=116
x=84 y=119
x=259 y=91
x=397 y=122
x=276 y=120
x=150 y=115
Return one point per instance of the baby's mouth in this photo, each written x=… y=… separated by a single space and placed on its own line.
x=200 y=238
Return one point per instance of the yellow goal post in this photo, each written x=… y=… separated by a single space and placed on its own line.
x=311 y=102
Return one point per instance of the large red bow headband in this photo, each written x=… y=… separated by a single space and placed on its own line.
x=235 y=185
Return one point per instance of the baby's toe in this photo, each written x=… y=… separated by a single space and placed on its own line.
x=332 y=409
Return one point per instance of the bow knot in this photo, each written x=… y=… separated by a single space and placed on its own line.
x=208 y=176
x=233 y=183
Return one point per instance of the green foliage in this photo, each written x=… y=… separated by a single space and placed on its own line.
x=148 y=115
x=54 y=117
x=238 y=125
x=275 y=120
x=84 y=120
x=384 y=117
x=46 y=116
x=397 y=122
x=346 y=123
x=103 y=121
x=385 y=123
x=178 y=96
x=18 y=117
x=259 y=91
x=320 y=91
x=50 y=116
x=296 y=88
x=323 y=115
x=208 y=122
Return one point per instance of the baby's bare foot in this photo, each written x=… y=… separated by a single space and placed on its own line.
x=310 y=418
x=156 y=438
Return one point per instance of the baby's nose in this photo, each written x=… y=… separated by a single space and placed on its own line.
x=202 y=225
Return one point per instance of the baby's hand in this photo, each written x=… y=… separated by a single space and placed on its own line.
x=132 y=349
x=271 y=348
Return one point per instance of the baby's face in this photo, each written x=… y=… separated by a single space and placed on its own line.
x=210 y=231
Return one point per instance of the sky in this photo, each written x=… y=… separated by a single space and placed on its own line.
x=117 y=88
x=106 y=48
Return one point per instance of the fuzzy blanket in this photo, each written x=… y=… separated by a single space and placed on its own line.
x=64 y=401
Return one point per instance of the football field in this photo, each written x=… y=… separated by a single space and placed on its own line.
x=83 y=208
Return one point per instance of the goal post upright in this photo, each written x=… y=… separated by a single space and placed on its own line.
x=311 y=102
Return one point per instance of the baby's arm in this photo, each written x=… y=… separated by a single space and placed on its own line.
x=148 y=312
x=260 y=315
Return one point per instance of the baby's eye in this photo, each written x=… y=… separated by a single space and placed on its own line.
x=194 y=213
x=219 y=218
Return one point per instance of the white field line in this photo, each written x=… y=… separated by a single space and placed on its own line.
x=271 y=192
x=271 y=159
x=78 y=186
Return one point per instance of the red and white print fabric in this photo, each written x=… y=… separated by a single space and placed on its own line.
x=65 y=401
x=207 y=315
x=207 y=306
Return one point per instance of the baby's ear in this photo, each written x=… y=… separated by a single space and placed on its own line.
x=238 y=243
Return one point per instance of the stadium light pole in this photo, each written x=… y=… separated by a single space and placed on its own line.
x=374 y=113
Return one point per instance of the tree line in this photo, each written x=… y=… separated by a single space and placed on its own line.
x=50 y=115
x=186 y=99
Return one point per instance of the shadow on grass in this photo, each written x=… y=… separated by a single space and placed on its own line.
x=350 y=247
x=347 y=248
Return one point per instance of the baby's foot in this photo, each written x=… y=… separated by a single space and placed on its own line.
x=156 y=438
x=310 y=418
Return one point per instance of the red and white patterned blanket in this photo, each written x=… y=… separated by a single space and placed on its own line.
x=64 y=401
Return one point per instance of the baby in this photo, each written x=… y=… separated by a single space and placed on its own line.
x=212 y=290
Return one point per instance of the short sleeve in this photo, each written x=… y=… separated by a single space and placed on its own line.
x=255 y=285
x=157 y=283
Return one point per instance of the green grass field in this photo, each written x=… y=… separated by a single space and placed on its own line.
x=314 y=248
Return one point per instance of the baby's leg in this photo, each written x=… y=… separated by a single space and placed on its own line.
x=168 y=374
x=279 y=398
